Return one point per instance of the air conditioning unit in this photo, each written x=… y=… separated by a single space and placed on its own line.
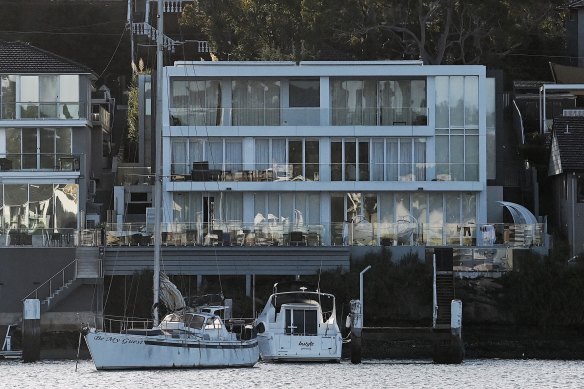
x=92 y=188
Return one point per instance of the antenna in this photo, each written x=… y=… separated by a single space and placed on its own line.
x=567 y=129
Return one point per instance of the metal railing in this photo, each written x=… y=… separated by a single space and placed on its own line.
x=57 y=281
x=120 y=324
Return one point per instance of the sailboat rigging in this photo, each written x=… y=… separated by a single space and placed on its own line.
x=186 y=337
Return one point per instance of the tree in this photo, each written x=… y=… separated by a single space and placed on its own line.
x=436 y=31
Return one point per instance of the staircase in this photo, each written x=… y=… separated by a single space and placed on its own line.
x=85 y=269
x=444 y=286
x=147 y=30
x=444 y=297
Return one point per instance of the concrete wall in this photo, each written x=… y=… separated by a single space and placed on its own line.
x=22 y=270
x=228 y=260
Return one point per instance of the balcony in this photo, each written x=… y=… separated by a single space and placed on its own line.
x=41 y=162
x=384 y=116
x=282 y=232
x=203 y=171
x=41 y=111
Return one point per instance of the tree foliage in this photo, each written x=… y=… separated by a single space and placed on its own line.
x=436 y=31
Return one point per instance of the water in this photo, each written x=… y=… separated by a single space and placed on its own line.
x=483 y=373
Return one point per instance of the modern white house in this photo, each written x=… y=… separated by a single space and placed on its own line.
x=327 y=153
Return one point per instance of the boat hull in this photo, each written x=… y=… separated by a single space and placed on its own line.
x=111 y=351
x=287 y=348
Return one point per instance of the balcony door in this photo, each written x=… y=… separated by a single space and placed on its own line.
x=38 y=148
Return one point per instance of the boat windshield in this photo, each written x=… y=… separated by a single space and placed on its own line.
x=213 y=323
x=194 y=321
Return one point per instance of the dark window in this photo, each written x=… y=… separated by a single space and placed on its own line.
x=580 y=189
x=304 y=93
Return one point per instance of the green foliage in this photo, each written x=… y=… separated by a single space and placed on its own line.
x=545 y=293
x=436 y=31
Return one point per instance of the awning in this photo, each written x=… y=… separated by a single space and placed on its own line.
x=521 y=215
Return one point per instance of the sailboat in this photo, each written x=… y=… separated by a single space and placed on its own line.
x=185 y=337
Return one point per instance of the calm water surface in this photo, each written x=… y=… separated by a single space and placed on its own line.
x=370 y=374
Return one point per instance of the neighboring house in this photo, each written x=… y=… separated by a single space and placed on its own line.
x=566 y=167
x=385 y=152
x=47 y=131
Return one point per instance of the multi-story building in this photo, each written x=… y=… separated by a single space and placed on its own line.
x=46 y=132
x=331 y=153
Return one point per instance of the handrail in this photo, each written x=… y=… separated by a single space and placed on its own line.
x=50 y=280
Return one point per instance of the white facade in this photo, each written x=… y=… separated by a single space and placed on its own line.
x=390 y=152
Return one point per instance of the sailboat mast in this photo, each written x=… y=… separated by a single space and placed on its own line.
x=158 y=163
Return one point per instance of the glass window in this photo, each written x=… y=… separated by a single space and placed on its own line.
x=442 y=111
x=7 y=97
x=350 y=161
x=336 y=161
x=471 y=101
x=491 y=129
x=312 y=160
x=471 y=157
x=363 y=161
x=304 y=93
x=256 y=102
x=456 y=94
x=580 y=190
x=29 y=97
x=69 y=96
x=49 y=95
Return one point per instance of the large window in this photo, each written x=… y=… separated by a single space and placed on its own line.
x=457 y=122
x=255 y=102
x=37 y=148
x=38 y=206
x=49 y=97
x=217 y=154
x=457 y=155
x=378 y=102
x=378 y=159
x=402 y=217
x=288 y=158
x=304 y=93
x=195 y=102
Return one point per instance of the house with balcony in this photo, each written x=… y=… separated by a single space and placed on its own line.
x=326 y=153
x=47 y=151
x=54 y=129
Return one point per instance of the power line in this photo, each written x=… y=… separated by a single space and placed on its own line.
x=58 y=33
x=115 y=51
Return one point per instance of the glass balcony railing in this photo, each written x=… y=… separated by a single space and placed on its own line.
x=405 y=232
x=204 y=171
x=41 y=110
x=40 y=161
x=299 y=116
x=134 y=175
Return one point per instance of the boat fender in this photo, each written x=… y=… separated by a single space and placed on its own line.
x=261 y=328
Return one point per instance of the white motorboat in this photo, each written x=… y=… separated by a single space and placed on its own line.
x=299 y=325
